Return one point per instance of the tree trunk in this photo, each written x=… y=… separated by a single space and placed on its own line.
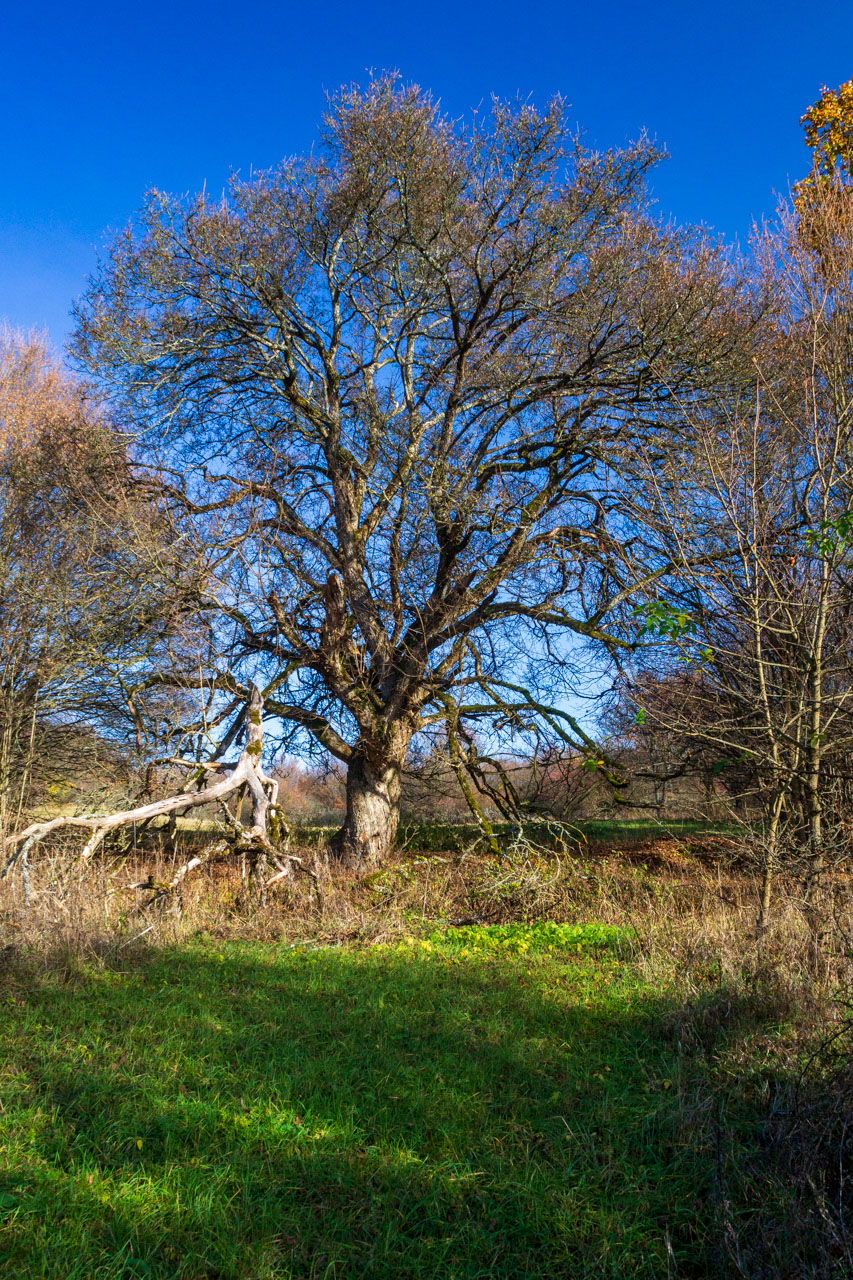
x=373 y=812
x=771 y=854
x=815 y=836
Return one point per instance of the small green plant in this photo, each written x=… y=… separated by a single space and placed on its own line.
x=544 y=936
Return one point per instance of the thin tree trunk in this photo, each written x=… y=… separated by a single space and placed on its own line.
x=816 y=849
x=815 y=749
x=770 y=859
x=766 y=892
x=467 y=790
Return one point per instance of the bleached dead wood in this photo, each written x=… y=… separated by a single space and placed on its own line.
x=247 y=772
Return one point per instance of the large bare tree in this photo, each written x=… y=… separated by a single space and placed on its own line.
x=392 y=384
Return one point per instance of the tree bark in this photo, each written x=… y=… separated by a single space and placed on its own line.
x=771 y=854
x=373 y=811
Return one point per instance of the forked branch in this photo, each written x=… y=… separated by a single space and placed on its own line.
x=247 y=772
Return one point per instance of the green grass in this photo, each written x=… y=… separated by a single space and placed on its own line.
x=492 y=1104
x=439 y=837
x=432 y=837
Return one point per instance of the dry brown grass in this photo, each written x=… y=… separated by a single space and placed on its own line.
x=690 y=903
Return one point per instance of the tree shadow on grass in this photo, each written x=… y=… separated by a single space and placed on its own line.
x=251 y=1113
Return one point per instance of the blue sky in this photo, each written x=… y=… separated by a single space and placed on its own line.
x=101 y=101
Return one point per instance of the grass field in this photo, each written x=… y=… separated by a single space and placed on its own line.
x=430 y=837
x=517 y=1101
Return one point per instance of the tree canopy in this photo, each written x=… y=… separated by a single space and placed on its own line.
x=392 y=384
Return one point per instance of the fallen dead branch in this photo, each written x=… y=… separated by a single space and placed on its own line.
x=246 y=774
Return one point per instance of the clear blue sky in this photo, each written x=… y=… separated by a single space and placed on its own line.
x=101 y=101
